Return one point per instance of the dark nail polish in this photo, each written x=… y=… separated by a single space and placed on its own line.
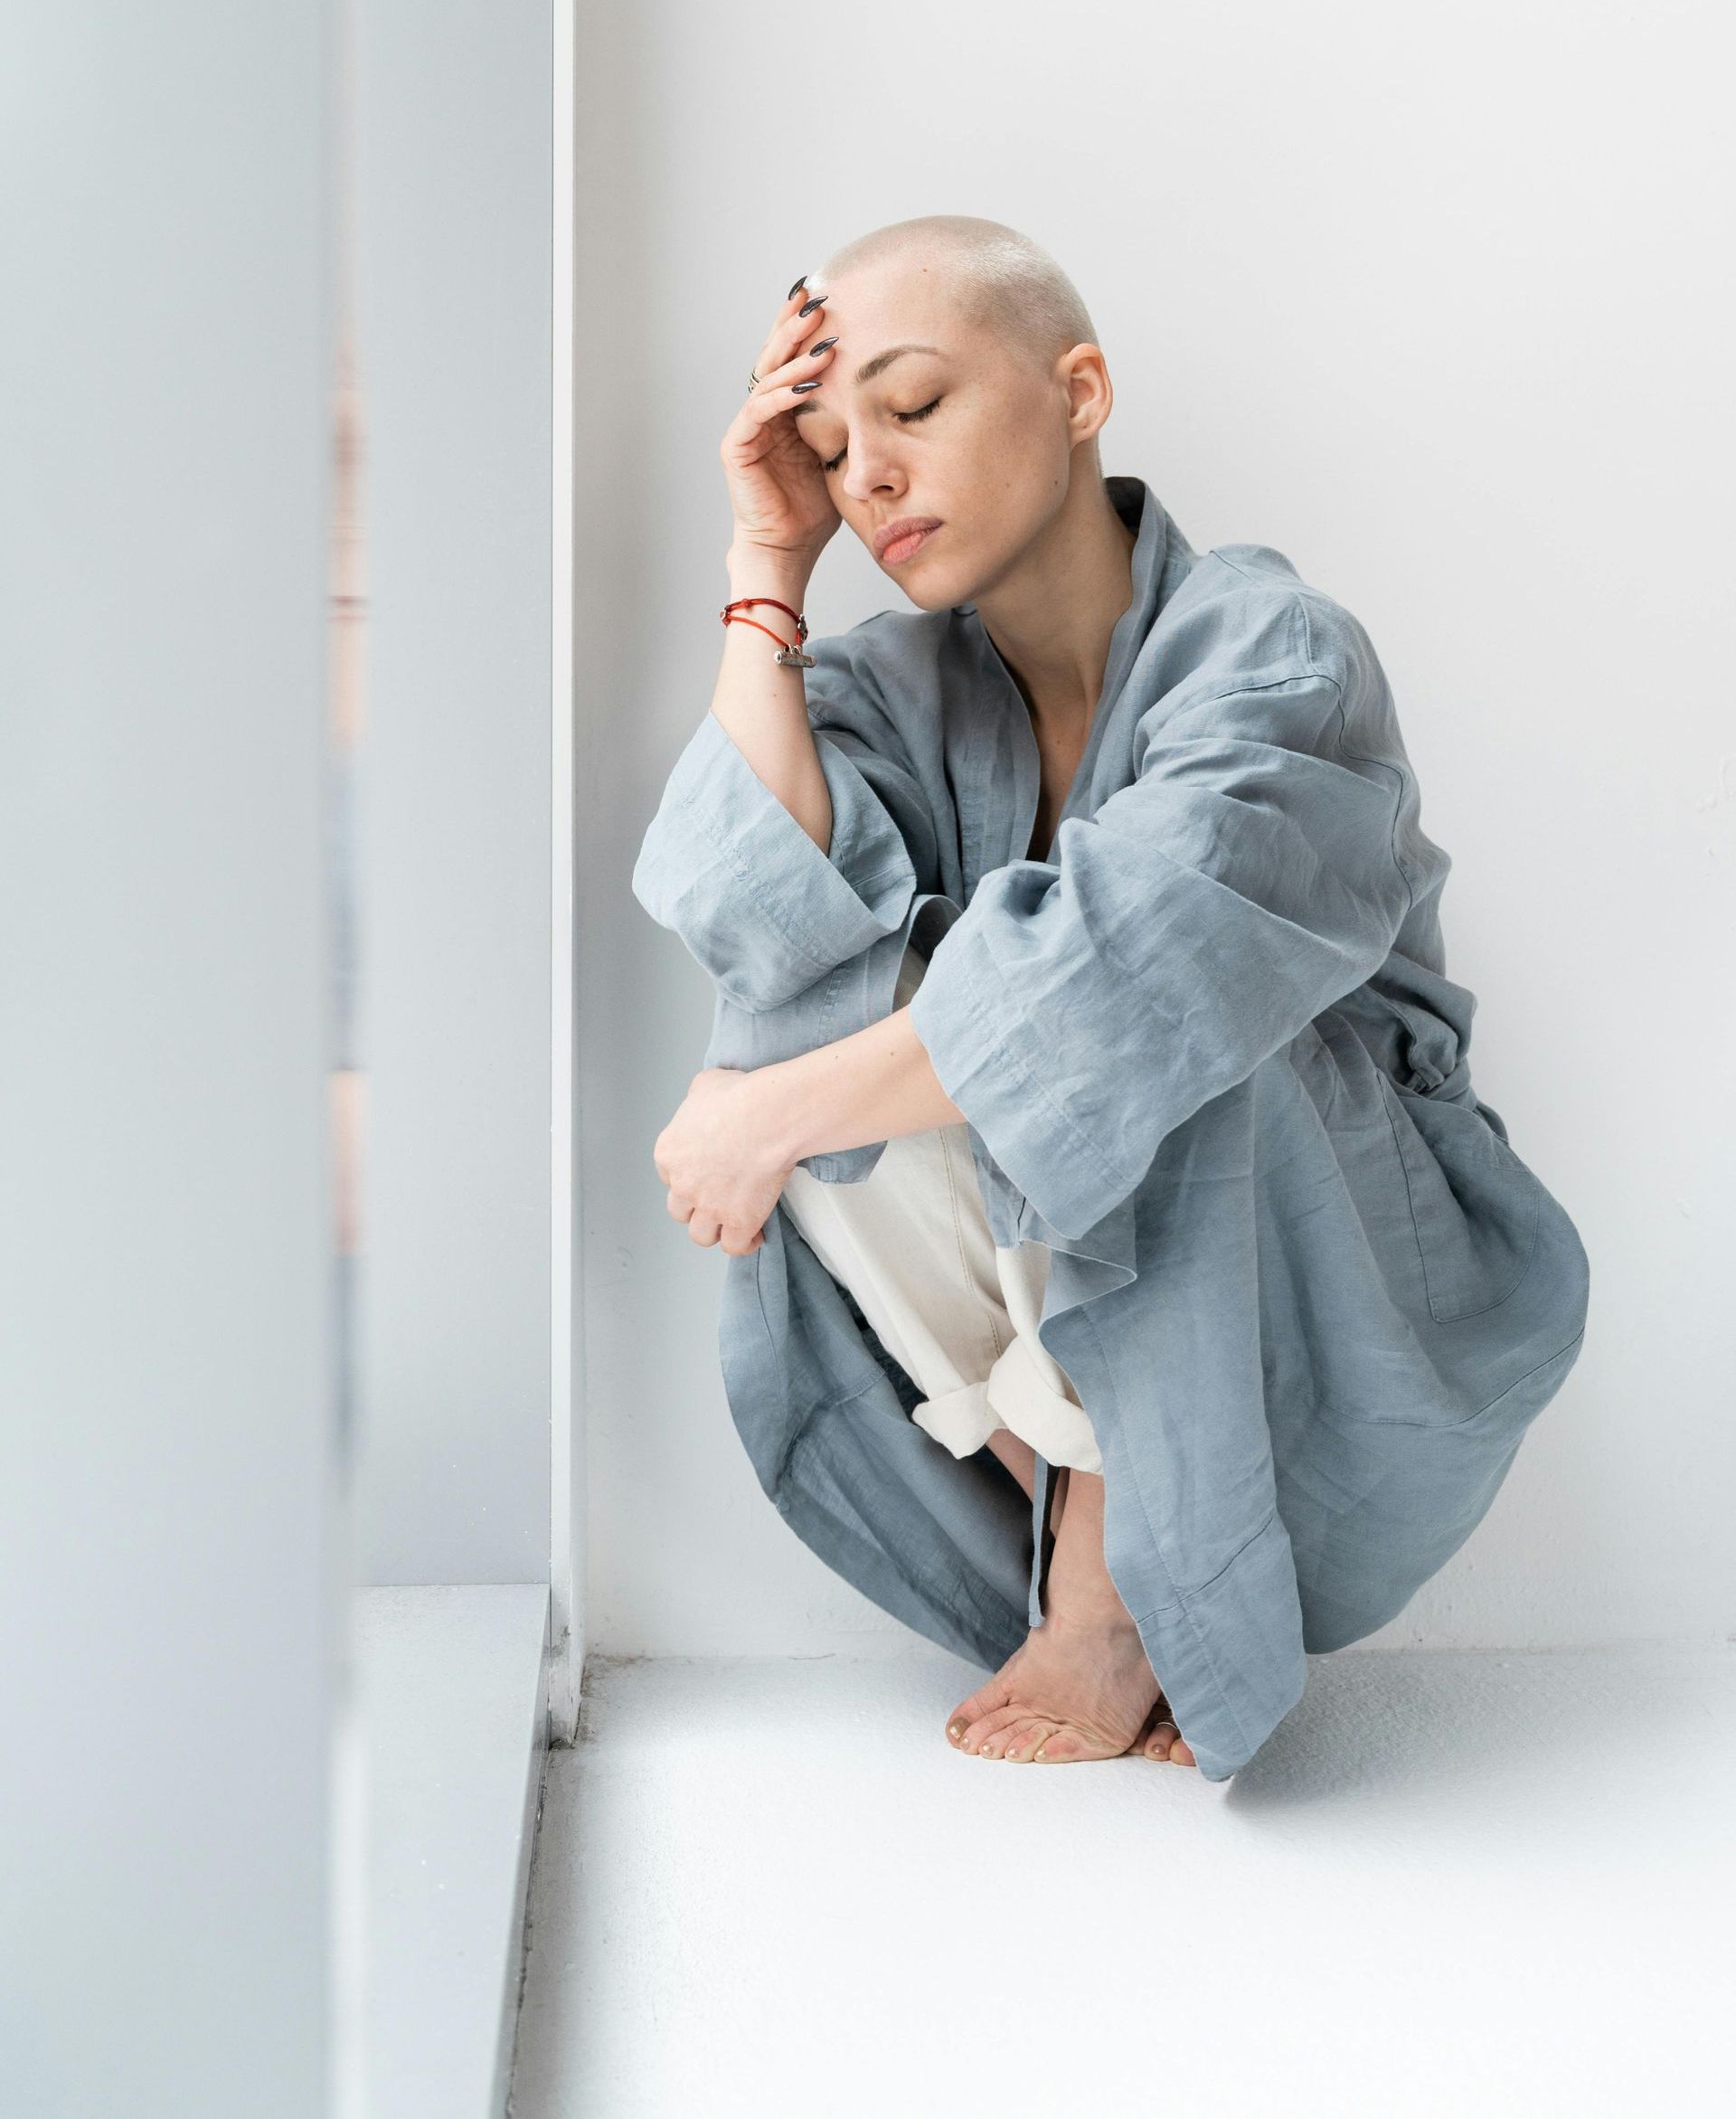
x=813 y=385
x=824 y=344
x=806 y=306
x=791 y=295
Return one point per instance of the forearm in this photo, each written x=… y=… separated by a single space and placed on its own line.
x=762 y=704
x=873 y=1085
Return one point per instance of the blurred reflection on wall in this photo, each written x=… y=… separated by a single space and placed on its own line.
x=345 y=691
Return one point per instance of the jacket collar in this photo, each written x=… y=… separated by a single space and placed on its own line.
x=1140 y=508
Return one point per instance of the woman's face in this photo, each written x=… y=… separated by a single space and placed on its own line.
x=964 y=432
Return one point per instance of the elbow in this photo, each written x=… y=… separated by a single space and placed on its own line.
x=759 y=987
x=742 y=957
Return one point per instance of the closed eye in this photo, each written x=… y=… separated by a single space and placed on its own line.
x=906 y=417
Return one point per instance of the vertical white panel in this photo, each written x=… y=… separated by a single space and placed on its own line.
x=168 y=1505
x=567 y=1543
x=453 y=274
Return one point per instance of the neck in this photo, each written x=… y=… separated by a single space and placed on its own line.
x=1051 y=615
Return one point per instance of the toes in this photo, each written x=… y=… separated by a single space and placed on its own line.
x=991 y=1725
x=981 y=1704
x=1062 y=1744
x=1160 y=1738
x=1066 y=1741
x=1167 y=1742
x=982 y=1734
x=1142 y=1736
x=1019 y=1739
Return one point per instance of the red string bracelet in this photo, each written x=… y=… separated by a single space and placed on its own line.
x=790 y=653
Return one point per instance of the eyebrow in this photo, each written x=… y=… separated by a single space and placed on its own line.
x=870 y=369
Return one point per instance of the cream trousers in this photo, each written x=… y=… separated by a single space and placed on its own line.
x=957 y=1311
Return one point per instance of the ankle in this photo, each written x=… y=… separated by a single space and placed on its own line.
x=1084 y=1601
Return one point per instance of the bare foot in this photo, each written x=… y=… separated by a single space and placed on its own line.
x=1081 y=1685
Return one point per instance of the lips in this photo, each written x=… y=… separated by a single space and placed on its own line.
x=899 y=528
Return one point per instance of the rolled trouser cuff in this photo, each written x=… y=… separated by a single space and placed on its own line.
x=962 y=1419
x=1022 y=1398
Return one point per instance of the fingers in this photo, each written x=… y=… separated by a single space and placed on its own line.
x=797 y=352
x=737 y=1239
x=792 y=332
x=680 y=1207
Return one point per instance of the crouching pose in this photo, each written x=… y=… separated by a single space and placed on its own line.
x=1127 y=1287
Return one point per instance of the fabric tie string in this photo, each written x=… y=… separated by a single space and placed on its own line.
x=1039 y=1540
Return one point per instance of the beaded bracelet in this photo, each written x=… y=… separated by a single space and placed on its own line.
x=790 y=653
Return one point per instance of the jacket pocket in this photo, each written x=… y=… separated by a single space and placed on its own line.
x=1474 y=1202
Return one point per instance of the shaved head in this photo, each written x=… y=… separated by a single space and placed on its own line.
x=967 y=386
x=1005 y=282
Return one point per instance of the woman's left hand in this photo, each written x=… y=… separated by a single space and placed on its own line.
x=723 y=1172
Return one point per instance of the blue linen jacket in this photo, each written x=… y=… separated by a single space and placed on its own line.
x=1309 y=1294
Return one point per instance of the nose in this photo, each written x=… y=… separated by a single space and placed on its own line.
x=869 y=469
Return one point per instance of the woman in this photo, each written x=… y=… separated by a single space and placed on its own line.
x=1098 y=880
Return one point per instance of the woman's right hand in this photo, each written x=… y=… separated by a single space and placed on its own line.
x=777 y=487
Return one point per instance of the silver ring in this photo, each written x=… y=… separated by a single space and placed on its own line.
x=753 y=382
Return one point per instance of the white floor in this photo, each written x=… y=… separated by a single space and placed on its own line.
x=1453 y=1884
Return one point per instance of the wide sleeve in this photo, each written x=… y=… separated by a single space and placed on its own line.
x=725 y=865
x=1079 y=1011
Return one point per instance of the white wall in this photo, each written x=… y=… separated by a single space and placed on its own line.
x=170 y=1535
x=1430 y=303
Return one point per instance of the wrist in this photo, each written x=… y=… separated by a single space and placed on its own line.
x=783 y=1120
x=758 y=570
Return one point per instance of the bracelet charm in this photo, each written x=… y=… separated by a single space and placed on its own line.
x=790 y=653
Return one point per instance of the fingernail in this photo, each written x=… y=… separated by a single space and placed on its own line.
x=806 y=306
x=791 y=295
x=821 y=347
x=813 y=385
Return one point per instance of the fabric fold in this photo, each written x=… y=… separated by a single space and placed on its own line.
x=1079 y=1011
x=726 y=866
